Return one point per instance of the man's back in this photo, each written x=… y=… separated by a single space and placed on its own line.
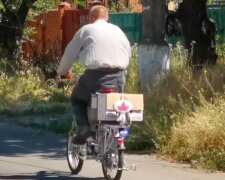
x=97 y=45
x=103 y=45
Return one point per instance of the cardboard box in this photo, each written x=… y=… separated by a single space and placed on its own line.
x=102 y=106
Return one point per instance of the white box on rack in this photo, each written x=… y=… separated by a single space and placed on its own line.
x=102 y=106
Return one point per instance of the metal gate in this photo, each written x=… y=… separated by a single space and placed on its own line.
x=72 y=20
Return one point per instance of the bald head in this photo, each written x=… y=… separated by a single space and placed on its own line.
x=98 y=12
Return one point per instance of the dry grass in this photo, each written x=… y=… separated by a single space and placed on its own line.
x=200 y=137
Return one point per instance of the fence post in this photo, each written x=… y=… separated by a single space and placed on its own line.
x=61 y=9
x=43 y=34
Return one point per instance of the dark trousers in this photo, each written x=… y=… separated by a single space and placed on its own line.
x=90 y=82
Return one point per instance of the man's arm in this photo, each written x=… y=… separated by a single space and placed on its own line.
x=70 y=55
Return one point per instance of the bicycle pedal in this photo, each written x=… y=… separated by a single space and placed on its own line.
x=133 y=167
x=90 y=139
x=123 y=169
x=83 y=157
x=94 y=144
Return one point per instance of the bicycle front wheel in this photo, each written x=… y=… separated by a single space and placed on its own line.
x=74 y=161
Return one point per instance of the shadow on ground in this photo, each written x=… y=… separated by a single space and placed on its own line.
x=19 y=141
x=43 y=175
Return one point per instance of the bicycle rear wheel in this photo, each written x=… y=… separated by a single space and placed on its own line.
x=112 y=166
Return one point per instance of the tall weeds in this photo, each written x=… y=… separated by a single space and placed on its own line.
x=186 y=113
x=174 y=99
x=200 y=137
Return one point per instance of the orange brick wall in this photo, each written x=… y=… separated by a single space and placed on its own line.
x=48 y=37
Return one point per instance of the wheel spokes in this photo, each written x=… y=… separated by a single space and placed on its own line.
x=112 y=168
x=112 y=172
x=73 y=154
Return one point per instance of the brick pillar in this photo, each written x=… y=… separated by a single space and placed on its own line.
x=61 y=8
x=43 y=34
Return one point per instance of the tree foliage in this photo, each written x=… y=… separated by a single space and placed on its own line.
x=42 y=6
x=13 y=14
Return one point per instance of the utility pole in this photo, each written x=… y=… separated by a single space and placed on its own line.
x=153 y=52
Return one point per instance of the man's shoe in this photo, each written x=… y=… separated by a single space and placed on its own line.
x=82 y=133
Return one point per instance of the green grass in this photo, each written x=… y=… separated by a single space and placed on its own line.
x=27 y=94
x=131 y=85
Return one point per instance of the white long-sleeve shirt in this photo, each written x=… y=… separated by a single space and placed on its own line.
x=97 y=45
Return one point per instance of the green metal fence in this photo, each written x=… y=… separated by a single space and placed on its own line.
x=131 y=24
x=217 y=14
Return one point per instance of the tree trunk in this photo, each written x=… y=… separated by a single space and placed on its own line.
x=153 y=51
x=199 y=33
x=11 y=29
x=11 y=34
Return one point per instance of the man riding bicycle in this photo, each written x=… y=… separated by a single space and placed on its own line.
x=105 y=51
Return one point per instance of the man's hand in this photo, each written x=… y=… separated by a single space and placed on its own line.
x=62 y=81
x=68 y=75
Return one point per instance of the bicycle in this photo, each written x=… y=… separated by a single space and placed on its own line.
x=107 y=146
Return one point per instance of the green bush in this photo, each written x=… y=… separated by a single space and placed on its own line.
x=27 y=94
x=131 y=85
